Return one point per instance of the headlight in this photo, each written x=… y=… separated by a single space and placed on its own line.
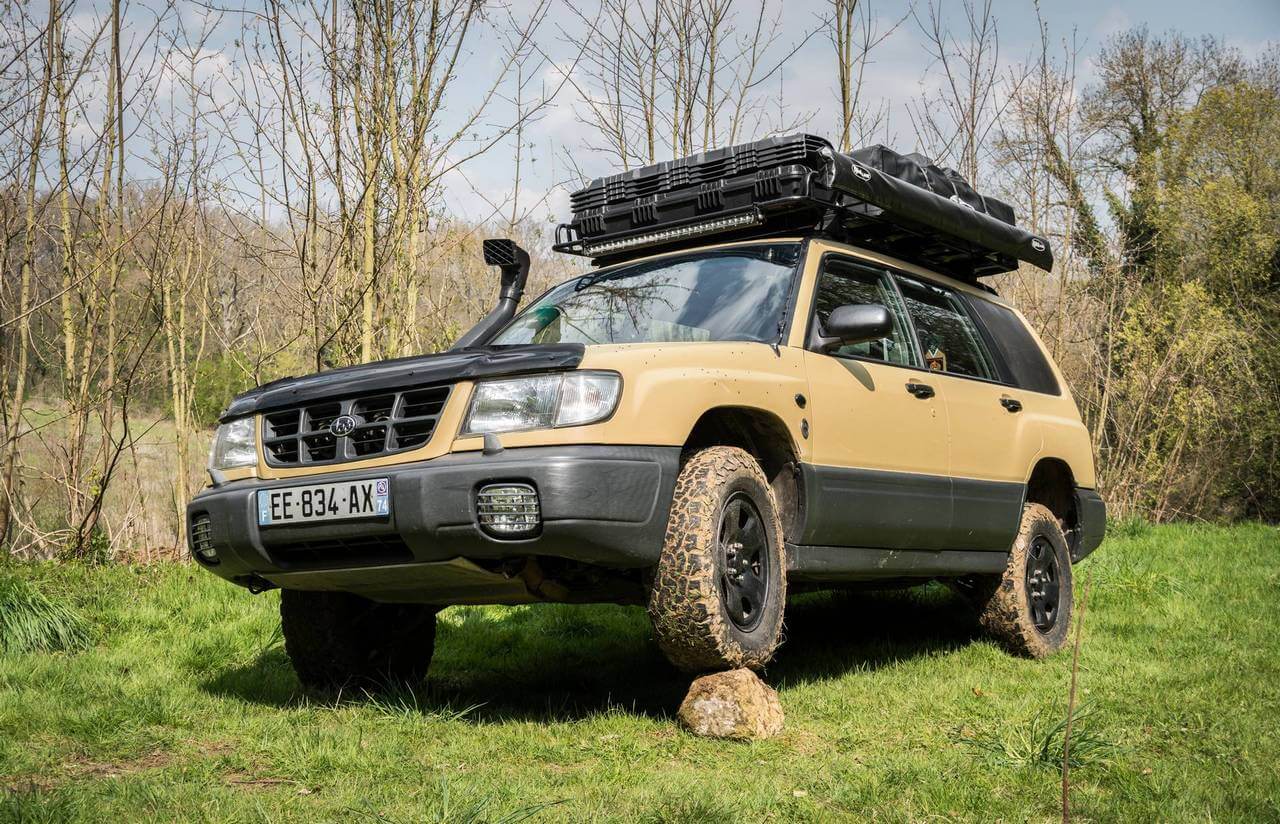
x=234 y=445
x=542 y=402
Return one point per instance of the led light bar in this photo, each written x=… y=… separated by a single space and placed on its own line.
x=662 y=236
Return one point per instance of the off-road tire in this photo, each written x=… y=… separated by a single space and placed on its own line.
x=692 y=626
x=337 y=640
x=1004 y=601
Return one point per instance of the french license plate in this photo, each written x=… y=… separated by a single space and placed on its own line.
x=324 y=502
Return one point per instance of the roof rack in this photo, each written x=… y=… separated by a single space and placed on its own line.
x=799 y=183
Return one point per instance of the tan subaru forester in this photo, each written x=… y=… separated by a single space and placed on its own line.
x=784 y=371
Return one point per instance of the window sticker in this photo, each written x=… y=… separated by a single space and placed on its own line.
x=935 y=358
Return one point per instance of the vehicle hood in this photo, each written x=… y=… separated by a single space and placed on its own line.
x=406 y=373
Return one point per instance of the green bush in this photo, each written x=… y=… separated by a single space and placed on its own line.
x=220 y=378
x=217 y=380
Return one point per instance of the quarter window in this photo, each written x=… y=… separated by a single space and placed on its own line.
x=1015 y=344
x=949 y=340
x=845 y=282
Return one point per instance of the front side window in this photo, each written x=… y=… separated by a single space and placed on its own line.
x=949 y=340
x=720 y=295
x=844 y=282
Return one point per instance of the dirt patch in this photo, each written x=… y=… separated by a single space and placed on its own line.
x=153 y=760
x=212 y=748
x=79 y=769
x=248 y=781
x=243 y=779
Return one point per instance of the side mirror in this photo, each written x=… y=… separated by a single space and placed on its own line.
x=855 y=323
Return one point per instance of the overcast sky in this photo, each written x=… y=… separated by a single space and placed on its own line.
x=901 y=69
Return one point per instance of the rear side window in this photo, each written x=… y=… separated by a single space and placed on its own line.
x=1027 y=364
x=948 y=338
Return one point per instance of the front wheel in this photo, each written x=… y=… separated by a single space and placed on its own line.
x=720 y=586
x=1028 y=608
x=338 y=640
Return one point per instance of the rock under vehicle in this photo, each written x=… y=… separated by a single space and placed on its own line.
x=784 y=373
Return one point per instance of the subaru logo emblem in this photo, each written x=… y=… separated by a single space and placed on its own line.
x=342 y=425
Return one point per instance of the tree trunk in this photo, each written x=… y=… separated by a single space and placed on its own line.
x=8 y=492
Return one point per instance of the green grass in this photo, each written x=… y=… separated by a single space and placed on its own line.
x=31 y=622
x=897 y=710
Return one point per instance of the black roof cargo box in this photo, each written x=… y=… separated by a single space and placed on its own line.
x=904 y=205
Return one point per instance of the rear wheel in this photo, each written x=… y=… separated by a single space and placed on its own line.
x=1028 y=608
x=338 y=640
x=720 y=586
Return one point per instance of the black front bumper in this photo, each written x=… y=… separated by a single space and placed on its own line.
x=601 y=505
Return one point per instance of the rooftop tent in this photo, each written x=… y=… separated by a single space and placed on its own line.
x=923 y=173
x=904 y=205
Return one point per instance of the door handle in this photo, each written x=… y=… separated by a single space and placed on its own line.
x=920 y=390
x=1012 y=404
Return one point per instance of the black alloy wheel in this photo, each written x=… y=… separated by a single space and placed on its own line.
x=744 y=584
x=1028 y=606
x=720 y=588
x=1043 y=584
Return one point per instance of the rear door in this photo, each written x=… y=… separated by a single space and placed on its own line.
x=992 y=443
x=880 y=467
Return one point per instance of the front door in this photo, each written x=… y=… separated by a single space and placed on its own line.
x=879 y=476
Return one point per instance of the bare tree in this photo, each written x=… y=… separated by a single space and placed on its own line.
x=955 y=121
x=855 y=32
x=17 y=401
x=676 y=77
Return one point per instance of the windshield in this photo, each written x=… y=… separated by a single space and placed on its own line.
x=726 y=294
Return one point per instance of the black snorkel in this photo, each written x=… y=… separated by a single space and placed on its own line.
x=513 y=263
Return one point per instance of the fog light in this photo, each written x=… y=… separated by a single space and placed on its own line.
x=508 y=510
x=202 y=539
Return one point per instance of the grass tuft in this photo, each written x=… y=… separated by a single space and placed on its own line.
x=692 y=811
x=32 y=805
x=1143 y=577
x=30 y=621
x=448 y=809
x=1039 y=742
x=405 y=700
x=1130 y=527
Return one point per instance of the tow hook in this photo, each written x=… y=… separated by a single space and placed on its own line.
x=254 y=583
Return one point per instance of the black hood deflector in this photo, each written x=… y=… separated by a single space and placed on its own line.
x=406 y=373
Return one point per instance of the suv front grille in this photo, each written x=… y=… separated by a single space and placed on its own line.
x=380 y=424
